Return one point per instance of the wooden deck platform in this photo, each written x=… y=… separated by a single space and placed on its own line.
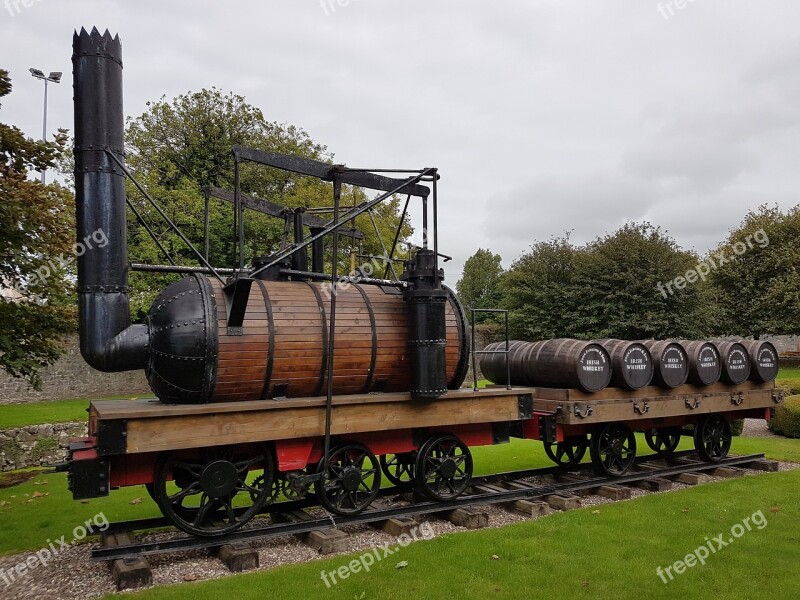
x=150 y=426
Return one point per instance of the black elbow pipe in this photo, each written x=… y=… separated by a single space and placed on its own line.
x=108 y=340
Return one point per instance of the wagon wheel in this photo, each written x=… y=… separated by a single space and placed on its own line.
x=200 y=497
x=712 y=438
x=399 y=468
x=568 y=453
x=351 y=480
x=663 y=440
x=443 y=467
x=613 y=449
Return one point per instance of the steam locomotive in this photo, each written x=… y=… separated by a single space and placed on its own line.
x=278 y=379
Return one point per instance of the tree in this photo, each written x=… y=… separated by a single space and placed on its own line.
x=36 y=237
x=479 y=286
x=756 y=278
x=607 y=288
x=535 y=288
x=175 y=148
x=622 y=291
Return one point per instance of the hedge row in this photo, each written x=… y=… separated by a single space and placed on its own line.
x=792 y=386
x=787 y=418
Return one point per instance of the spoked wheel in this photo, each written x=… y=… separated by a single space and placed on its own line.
x=443 y=467
x=712 y=438
x=568 y=453
x=613 y=449
x=197 y=492
x=399 y=468
x=351 y=481
x=663 y=440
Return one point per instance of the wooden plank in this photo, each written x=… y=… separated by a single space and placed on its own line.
x=207 y=429
x=131 y=573
x=622 y=409
x=646 y=392
x=150 y=407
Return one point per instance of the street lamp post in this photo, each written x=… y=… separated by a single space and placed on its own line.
x=54 y=77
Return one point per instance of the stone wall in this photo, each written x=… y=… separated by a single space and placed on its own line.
x=784 y=343
x=37 y=445
x=71 y=377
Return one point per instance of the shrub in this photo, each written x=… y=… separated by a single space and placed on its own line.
x=737 y=427
x=787 y=418
x=792 y=386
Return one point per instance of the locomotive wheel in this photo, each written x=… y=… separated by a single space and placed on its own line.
x=399 y=468
x=664 y=440
x=568 y=453
x=351 y=481
x=613 y=449
x=203 y=503
x=443 y=467
x=712 y=438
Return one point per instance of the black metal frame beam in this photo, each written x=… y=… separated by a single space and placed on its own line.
x=270 y=208
x=324 y=171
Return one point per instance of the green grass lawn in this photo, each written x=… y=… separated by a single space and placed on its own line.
x=55 y=411
x=609 y=552
x=789 y=373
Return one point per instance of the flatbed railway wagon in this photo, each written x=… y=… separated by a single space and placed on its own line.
x=283 y=378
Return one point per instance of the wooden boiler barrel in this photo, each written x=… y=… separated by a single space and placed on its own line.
x=631 y=363
x=670 y=362
x=705 y=367
x=763 y=360
x=735 y=362
x=283 y=351
x=558 y=363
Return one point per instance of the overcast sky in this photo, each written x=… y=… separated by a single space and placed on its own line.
x=542 y=116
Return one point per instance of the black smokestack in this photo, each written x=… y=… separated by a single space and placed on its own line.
x=108 y=340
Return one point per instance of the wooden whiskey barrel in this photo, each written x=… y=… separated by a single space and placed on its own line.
x=671 y=364
x=631 y=363
x=763 y=360
x=735 y=362
x=283 y=347
x=705 y=367
x=557 y=363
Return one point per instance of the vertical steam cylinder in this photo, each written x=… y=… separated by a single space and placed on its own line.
x=427 y=335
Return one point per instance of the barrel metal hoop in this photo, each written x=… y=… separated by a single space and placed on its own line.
x=462 y=367
x=206 y=293
x=324 y=319
x=374 y=357
x=271 y=324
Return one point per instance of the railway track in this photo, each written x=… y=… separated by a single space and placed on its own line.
x=484 y=490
